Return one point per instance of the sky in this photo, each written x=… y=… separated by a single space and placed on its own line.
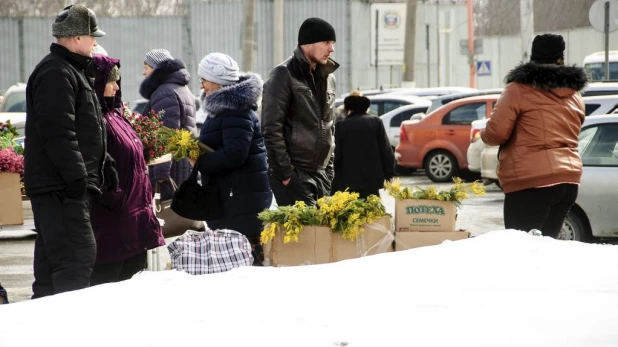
x=502 y=288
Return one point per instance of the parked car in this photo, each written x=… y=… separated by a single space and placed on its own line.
x=392 y=120
x=602 y=104
x=443 y=100
x=484 y=158
x=369 y=92
x=601 y=88
x=439 y=141
x=13 y=107
x=595 y=209
x=476 y=145
x=431 y=93
x=384 y=103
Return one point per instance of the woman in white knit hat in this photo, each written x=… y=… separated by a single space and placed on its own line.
x=238 y=164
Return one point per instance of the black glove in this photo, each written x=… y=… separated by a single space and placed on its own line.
x=76 y=189
x=110 y=175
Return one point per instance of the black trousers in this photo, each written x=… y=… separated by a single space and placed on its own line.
x=539 y=208
x=119 y=270
x=65 y=247
x=303 y=186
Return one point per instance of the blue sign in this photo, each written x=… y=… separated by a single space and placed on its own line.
x=483 y=68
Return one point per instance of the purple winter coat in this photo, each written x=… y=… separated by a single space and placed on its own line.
x=167 y=90
x=124 y=222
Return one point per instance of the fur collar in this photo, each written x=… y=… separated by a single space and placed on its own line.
x=241 y=96
x=173 y=71
x=548 y=76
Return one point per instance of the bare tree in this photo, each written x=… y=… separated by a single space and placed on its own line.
x=501 y=17
x=106 y=8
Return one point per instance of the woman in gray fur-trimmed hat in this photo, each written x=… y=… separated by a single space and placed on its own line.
x=166 y=88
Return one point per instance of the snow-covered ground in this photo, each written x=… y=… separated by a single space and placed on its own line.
x=503 y=288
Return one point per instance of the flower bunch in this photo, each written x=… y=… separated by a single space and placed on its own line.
x=147 y=127
x=457 y=193
x=11 y=161
x=291 y=218
x=343 y=212
x=181 y=143
x=7 y=141
x=8 y=130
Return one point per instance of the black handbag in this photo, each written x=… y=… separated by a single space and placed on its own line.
x=174 y=224
x=197 y=202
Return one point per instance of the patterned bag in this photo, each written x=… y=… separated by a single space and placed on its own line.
x=210 y=251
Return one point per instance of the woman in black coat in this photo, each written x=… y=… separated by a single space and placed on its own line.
x=238 y=164
x=363 y=155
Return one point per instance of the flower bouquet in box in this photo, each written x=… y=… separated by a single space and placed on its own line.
x=7 y=141
x=11 y=153
x=8 y=130
x=11 y=173
x=429 y=209
x=11 y=161
x=343 y=212
x=458 y=192
x=147 y=127
x=181 y=143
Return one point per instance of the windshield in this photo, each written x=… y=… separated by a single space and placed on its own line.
x=596 y=71
x=14 y=102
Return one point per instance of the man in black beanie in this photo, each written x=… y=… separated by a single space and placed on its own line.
x=536 y=122
x=298 y=117
x=66 y=162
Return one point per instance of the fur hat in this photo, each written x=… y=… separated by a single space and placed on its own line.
x=356 y=102
x=315 y=30
x=219 y=68
x=76 y=20
x=548 y=49
x=114 y=74
x=156 y=56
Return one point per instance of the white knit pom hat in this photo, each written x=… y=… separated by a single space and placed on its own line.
x=219 y=68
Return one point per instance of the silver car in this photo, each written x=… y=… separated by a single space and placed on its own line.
x=595 y=210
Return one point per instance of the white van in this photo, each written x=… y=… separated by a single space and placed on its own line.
x=595 y=66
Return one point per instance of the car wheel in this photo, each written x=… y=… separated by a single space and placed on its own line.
x=441 y=166
x=573 y=228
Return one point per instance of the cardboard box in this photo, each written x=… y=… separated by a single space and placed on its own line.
x=425 y=215
x=11 y=207
x=319 y=245
x=413 y=239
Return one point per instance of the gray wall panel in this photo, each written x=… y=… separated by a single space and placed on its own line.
x=9 y=54
x=216 y=26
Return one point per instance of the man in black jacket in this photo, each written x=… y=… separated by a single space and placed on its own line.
x=363 y=154
x=298 y=117
x=65 y=159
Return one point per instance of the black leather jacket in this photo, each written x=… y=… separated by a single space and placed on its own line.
x=298 y=127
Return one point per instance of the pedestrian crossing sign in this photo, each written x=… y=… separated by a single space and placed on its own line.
x=483 y=68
